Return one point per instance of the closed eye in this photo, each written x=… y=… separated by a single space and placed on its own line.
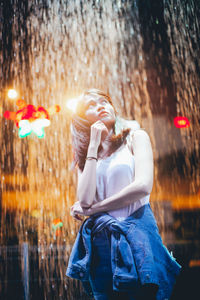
x=103 y=100
x=91 y=103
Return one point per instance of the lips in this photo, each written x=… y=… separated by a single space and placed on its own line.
x=102 y=113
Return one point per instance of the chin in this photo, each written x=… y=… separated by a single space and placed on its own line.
x=108 y=122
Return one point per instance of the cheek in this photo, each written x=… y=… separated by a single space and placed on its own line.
x=111 y=109
x=90 y=116
x=112 y=112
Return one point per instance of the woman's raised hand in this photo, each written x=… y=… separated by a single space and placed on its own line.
x=98 y=131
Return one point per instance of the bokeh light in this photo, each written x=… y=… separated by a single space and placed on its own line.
x=12 y=94
x=71 y=104
x=181 y=122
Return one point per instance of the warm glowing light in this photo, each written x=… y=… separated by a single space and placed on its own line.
x=53 y=109
x=72 y=104
x=37 y=127
x=12 y=94
x=24 y=128
x=181 y=122
x=57 y=223
x=194 y=263
x=36 y=213
x=21 y=103
x=29 y=118
x=10 y=115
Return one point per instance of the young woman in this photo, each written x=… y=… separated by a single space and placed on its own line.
x=118 y=252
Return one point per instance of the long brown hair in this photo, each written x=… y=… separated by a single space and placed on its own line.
x=80 y=130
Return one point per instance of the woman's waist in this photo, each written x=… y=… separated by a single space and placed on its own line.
x=141 y=220
x=122 y=213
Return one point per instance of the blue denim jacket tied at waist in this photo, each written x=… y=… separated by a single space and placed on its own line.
x=138 y=255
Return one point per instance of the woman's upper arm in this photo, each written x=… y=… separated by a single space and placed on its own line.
x=143 y=159
x=79 y=174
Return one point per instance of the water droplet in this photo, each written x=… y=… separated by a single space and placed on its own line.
x=131 y=31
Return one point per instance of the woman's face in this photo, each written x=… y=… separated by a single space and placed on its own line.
x=97 y=108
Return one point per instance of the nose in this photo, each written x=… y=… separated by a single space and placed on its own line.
x=100 y=107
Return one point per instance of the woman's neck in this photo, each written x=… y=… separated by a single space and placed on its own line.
x=106 y=145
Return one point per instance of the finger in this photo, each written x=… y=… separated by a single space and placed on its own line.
x=98 y=123
x=100 y=128
x=78 y=217
x=72 y=213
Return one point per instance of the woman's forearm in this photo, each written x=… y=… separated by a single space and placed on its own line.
x=128 y=195
x=87 y=181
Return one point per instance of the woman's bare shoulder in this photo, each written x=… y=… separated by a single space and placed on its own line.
x=141 y=132
x=132 y=124
x=138 y=136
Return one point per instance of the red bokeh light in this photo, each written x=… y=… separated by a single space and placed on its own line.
x=10 y=115
x=181 y=122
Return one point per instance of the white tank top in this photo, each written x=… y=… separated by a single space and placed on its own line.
x=112 y=175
